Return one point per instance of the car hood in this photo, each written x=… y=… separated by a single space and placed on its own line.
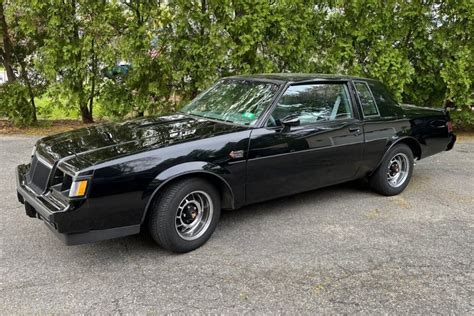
x=113 y=140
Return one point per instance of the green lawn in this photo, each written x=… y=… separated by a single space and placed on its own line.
x=48 y=110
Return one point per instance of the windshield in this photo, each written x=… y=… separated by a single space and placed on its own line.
x=235 y=101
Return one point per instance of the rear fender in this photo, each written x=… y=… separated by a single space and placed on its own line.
x=411 y=142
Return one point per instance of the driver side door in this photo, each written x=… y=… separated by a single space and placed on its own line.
x=324 y=148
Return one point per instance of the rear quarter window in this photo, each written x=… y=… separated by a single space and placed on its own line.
x=385 y=102
x=369 y=107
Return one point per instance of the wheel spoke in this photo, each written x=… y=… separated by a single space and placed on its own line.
x=398 y=169
x=193 y=215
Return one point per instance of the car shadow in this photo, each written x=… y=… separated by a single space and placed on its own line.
x=143 y=244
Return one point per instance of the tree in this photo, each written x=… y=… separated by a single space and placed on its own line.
x=146 y=84
x=141 y=57
x=6 y=51
x=19 y=45
x=78 y=39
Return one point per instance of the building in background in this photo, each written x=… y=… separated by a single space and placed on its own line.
x=3 y=76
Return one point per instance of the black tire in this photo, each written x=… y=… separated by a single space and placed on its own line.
x=162 y=221
x=379 y=180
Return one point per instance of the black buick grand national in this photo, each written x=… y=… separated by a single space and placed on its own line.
x=246 y=139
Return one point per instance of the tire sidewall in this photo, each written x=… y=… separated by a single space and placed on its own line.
x=177 y=243
x=381 y=182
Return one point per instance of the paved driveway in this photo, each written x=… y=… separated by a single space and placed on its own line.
x=341 y=249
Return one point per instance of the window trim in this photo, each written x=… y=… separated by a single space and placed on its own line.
x=350 y=97
x=360 y=102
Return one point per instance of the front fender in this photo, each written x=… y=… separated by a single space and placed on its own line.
x=190 y=167
x=212 y=171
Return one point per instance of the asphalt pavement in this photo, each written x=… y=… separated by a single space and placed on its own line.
x=342 y=249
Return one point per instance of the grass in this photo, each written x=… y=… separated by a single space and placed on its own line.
x=48 y=110
x=52 y=119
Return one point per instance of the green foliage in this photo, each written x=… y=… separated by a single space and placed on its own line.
x=458 y=77
x=463 y=119
x=15 y=105
x=422 y=50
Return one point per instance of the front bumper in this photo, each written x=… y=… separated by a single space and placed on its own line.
x=35 y=205
x=57 y=218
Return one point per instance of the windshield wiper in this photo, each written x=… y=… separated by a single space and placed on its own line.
x=229 y=121
x=193 y=114
x=210 y=117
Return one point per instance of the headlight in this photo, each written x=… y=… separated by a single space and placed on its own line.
x=33 y=151
x=78 y=188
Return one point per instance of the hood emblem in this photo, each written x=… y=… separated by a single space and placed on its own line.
x=234 y=154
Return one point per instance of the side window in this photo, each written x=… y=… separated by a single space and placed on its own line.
x=369 y=108
x=313 y=103
x=386 y=104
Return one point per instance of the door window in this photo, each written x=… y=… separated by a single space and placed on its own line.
x=369 y=108
x=313 y=103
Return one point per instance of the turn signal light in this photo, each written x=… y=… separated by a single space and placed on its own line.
x=78 y=188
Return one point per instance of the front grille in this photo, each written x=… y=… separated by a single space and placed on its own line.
x=61 y=181
x=38 y=175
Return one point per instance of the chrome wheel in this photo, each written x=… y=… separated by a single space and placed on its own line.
x=194 y=215
x=398 y=170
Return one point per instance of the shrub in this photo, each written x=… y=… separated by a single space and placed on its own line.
x=15 y=104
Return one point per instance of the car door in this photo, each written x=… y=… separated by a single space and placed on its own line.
x=323 y=149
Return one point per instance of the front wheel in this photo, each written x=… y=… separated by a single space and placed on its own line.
x=395 y=171
x=184 y=215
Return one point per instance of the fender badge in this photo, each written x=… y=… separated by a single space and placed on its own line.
x=234 y=154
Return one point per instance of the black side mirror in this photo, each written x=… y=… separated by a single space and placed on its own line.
x=289 y=121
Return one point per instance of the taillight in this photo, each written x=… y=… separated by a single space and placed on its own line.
x=450 y=126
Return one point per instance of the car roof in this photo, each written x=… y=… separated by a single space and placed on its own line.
x=295 y=77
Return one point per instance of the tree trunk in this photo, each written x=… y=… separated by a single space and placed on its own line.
x=91 y=98
x=24 y=76
x=33 y=104
x=86 y=114
x=78 y=85
x=7 y=51
x=94 y=76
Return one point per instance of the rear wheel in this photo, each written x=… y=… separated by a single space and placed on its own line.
x=395 y=171
x=184 y=215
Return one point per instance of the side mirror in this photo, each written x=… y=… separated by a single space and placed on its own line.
x=289 y=121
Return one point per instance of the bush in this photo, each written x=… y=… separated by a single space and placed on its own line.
x=15 y=104
x=463 y=120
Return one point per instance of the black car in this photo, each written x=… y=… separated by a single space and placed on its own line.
x=246 y=139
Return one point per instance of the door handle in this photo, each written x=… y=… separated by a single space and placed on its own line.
x=354 y=130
